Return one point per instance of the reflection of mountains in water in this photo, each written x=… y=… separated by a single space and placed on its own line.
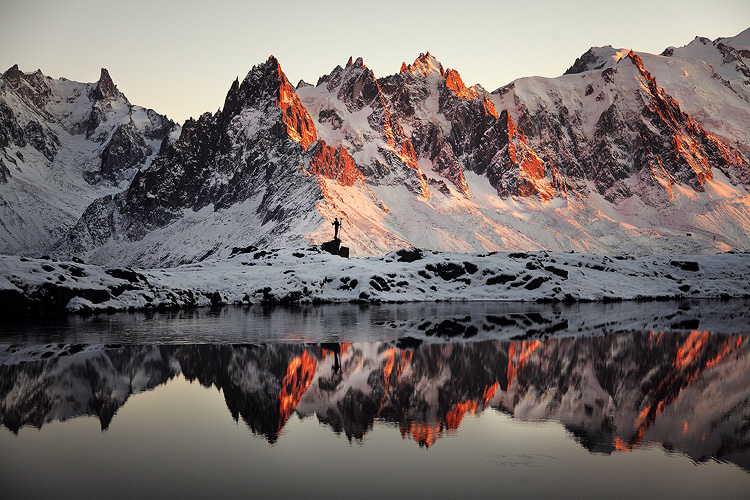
x=686 y=391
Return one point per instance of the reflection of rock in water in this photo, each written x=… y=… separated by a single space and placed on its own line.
x=83 y=383
x=687 y=391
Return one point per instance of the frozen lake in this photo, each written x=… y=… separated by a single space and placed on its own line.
x=444 y=400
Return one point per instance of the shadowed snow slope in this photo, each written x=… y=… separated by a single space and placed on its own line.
x=63 y=144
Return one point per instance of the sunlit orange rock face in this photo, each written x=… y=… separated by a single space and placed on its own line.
x=335 y=164
x=691 y=146
x=264 y=88
x=444 y=161
x=531 y=179
x=423 y=66
x=399 y=142
x=299 y=125
x=454 y=82
x=299 y=376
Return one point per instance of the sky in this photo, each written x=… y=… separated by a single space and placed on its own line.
x=179 y=57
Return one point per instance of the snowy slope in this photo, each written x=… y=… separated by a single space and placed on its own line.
x=62 y=145
x=629 y=150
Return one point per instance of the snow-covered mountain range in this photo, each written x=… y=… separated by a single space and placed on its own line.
x=685 y=391
x=64 y=144
x=626 y=152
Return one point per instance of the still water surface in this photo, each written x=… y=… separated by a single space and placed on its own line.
x=333 y=402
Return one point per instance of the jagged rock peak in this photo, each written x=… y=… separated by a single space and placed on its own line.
x=597 y=58
x=424 y=65
x=268 y=75
x=12 y=74
x=358 y=63
x=106 y=88
x=454 y=82
x=262 y=81
x=15 y=74
x=33 y=87
x=265 y=86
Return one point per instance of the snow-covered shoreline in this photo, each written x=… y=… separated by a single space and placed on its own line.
x=411 y=275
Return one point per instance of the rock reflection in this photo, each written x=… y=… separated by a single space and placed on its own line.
x=687 y=392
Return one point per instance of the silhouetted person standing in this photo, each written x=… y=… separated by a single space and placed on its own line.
x=336 y=225
x=336 y=368
x=336 y=349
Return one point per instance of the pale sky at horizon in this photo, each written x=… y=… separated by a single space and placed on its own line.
x=180 y=57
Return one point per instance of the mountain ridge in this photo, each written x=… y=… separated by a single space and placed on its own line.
x=601 y=159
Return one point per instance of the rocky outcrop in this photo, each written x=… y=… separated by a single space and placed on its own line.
x=33 y=88
x=126 y=149
x=596 y=58
x=105 y=89
x=311 y=275
x=516 y=170
x=335 y=164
